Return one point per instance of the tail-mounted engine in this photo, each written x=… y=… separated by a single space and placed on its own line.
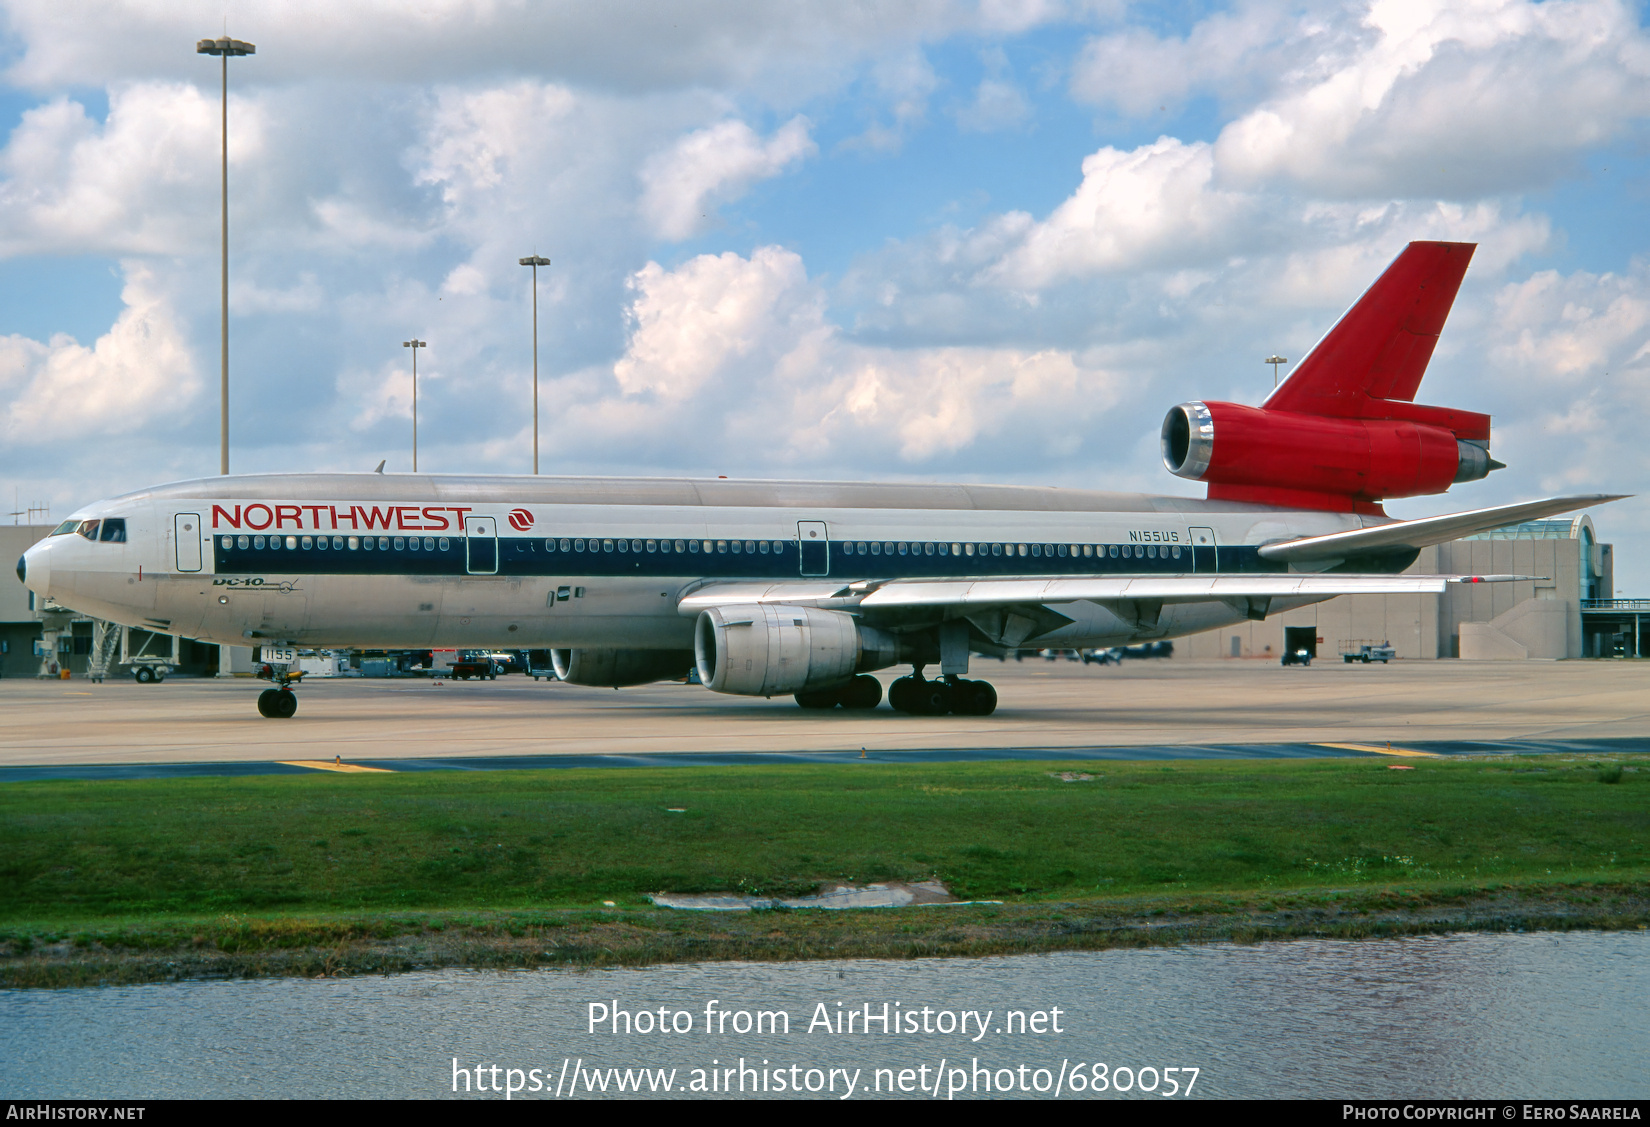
x=764 y=650
x=1344 y=432
x=1280 y=457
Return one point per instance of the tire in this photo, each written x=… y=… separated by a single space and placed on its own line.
x=974 y=698
x=863 y=692
x=285 y=704
x=819 y=698
x=900 y=692
x=144 y=674
x=264 y=705
x=932 y=698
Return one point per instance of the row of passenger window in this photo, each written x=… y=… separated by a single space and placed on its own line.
x=338 y=543
x=716 y=547
x=872 y=548
x=1049 y=551
x=681 y=547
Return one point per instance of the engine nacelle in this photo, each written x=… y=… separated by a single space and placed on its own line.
x=613 y=669
x=763 y=650
x=1249 y=453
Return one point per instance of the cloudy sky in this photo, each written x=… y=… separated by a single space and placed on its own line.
x=923 y=239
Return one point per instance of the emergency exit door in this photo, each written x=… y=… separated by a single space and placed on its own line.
x=481 y=545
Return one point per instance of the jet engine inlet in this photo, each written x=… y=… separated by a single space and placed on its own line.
x=764 y=650
x=1188 y=439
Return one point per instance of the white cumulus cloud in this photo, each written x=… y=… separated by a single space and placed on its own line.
x=137 y=373
x=1451 y=99
x=682 y=185
x=733 y=352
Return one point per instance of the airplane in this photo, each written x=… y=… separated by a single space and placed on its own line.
x=804 y=589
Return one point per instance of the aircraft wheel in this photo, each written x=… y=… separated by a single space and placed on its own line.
x=974 y=698
x=143 y=674
x=819 y=698
x=863 y=692
x=264 y=699
x=932 y=698
x=901 y=692
x=284 y=704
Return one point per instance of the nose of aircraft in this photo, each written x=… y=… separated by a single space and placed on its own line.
x=34 y=569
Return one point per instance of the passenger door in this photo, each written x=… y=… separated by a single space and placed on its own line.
x=1203 y=550
x=186 y=533
x=813 y=547
x=481 y=545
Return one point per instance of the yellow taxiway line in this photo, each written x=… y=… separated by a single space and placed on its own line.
x=1387 y=750
x=323 y=765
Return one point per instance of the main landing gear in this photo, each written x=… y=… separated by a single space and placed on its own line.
x=281 y=702
x=862 y=692
x=952 y=694
x=914 y=695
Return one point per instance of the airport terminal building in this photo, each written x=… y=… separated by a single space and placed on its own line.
x=1568 y=613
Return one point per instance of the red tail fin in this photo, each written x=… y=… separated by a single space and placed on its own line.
x=1372 y=361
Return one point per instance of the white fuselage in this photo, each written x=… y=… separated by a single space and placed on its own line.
x=420 y=561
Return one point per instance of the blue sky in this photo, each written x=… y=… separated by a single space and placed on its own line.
x=935 y=239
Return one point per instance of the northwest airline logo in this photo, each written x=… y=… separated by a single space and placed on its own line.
x=521 y=520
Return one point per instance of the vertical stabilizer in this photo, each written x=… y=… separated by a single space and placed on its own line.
x=1372 y=361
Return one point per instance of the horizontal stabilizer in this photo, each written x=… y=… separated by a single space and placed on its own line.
x=1411 y=534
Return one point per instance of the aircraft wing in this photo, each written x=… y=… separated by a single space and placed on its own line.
x=1422 y=533
x=873 y=595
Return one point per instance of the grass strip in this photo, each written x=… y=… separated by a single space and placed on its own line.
x=329 y=873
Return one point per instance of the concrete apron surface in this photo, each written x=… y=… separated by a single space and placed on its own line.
x=1043 y=705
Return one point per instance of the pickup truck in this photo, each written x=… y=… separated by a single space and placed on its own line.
x=1367 y=652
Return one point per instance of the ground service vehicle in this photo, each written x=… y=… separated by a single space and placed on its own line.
x=1359 y=650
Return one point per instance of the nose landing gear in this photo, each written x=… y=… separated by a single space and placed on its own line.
x=277 y=704
x=281 y=702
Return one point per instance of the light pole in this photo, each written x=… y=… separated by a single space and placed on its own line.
x=535 y=261
x=1274 y=360
x=224 y=48
x=415 y=345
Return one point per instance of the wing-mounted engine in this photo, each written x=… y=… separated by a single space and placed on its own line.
x=1343 y=432
x=614 y=669
x=770 y=650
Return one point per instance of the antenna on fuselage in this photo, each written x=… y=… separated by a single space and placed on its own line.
x=380 y=468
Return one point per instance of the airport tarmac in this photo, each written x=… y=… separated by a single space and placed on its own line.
x=1141 y=709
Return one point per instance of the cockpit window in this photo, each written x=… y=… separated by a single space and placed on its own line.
x=65 y=528
x=114 y=531
x=88 y=529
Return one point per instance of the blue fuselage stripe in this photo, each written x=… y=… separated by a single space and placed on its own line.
x=528 y=556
